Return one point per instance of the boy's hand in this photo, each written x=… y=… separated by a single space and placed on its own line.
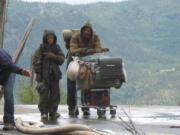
x=50 y=55
x=26 y=72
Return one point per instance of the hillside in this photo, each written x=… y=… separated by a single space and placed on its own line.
x=144 y=33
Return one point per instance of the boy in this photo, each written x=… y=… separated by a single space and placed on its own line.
x=46 y=61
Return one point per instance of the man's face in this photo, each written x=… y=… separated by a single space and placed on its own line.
x=86 y=33
x=50 y=39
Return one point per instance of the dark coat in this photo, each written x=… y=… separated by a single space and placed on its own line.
x=7 y=66
x=44 y=66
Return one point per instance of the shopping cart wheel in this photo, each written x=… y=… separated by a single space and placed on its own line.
x=113 y=112
x=101 y=112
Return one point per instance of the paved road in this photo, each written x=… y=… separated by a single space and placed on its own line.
x=150 y=119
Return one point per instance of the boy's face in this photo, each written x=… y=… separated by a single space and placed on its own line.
x=50 y=39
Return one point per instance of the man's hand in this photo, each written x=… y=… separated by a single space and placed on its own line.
x=91 y=51
x=105 y=49
x=26 y=72
x=82 y=50
x=50 y=55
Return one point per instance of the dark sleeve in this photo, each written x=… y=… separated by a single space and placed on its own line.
x=59 y=59
x=7 y=63
x=15 y=69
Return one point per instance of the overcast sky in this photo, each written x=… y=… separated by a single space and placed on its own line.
x=75 y=1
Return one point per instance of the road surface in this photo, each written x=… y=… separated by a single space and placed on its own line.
x=149 y=119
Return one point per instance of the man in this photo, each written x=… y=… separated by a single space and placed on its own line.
x=7 y=77
x=46 y=61
x=84 y=43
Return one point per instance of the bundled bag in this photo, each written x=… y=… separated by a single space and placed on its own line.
x=80 y=72
x=73 y=70
x=67 y=35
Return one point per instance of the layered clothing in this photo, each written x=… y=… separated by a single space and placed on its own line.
x=46 y=61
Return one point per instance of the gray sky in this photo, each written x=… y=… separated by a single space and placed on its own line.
x=75 y=1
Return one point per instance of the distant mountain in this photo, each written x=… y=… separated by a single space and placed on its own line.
x=144 y=33
x=73 y=2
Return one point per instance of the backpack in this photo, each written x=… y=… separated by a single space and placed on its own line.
x=67 y=35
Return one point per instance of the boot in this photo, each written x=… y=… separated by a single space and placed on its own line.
x=54 y=116
x=86 y=111
x=73 y=111
x=44 y=116
x=8 y=126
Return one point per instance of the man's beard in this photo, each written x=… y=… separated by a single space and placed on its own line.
x=86 y=38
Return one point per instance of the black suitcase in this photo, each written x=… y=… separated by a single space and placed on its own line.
x=108 y=72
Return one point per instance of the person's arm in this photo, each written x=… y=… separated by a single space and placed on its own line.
x=16 y=69
x=7 y=63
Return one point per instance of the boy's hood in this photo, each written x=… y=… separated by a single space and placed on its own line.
x=49 y=32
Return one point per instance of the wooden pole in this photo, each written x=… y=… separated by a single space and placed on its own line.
x=32 y=74
x=23 y=41
x=21 y=46
x=2 y=20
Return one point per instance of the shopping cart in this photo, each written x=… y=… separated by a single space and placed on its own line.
x=106 y=73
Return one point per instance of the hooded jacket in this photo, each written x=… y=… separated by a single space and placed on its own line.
x=78 y=42
x=44 y=66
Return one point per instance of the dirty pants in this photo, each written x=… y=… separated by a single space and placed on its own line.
x=49 y=96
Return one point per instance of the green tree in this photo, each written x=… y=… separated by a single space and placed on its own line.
x=63 y=95
x=29 y=95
